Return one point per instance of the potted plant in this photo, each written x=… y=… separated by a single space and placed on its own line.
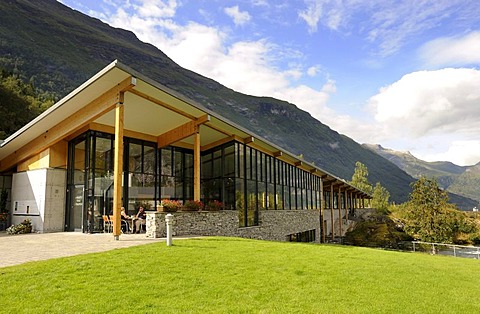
x=214 y=205
x=193 y=206
x=171 y=206
x=23 y=227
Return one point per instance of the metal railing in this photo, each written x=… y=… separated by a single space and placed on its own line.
x=447 y=249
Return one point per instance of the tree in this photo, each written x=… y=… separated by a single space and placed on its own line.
x=429 y=216
x=19 y=103
x=360 y=178
x=380 y=198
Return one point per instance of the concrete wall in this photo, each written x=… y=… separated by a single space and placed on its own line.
x=39 y=195
x=273 y=225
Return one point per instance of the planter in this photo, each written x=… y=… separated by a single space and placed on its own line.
x=169 y=206
x=163 y=209
x=193 y=206
x=189 y=209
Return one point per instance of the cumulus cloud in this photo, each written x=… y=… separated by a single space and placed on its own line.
x=249 y=67
x=460 y=152
x=431 y=108
x=452 y=51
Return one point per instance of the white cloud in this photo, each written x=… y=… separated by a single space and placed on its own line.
x=452 y=51
x=311 y=15
x=239 y=17
x=385 y=25
x=464 y=153
x=428 y=110
x=313 y=70
x=249 y=67
x=156 y=8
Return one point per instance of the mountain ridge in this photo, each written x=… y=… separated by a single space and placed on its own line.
x=461 y=180
x=57 y=48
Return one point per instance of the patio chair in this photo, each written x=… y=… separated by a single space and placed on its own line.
x=107 y=224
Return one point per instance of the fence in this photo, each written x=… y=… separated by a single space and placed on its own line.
x=447 y=249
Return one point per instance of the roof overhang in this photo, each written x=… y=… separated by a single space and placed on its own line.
x=151 y=110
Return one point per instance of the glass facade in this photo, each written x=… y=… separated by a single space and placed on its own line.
x=241 y=177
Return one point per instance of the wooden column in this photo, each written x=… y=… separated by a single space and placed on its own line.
x=346 y=205
x=118 y=166
x=352 y=206
x=339 y=202
x=331 y=211
x=196 y=165
x=322 y=212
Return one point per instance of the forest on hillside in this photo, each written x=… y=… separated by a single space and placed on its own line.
x=19 y=103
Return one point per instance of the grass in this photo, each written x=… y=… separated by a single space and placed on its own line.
x=220 y=275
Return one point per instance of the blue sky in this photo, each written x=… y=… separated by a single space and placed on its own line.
x=403 y=74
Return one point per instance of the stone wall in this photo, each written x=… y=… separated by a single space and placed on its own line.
x=273 y=225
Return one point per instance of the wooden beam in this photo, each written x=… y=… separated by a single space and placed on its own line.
x=278 y=153
x=70 y=125
x=217 y=143
x=126 y=133
x=248 y=140
x=299 y=163
x=118 y=167
x=163 y=104
x=181 y=132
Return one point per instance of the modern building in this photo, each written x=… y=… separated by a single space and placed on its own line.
x=122 y=139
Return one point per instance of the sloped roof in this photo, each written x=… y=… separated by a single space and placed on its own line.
x=145 y=114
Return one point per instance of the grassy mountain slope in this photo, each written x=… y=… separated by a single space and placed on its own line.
x=468 y=183
x=56 y=49
x=461 y=180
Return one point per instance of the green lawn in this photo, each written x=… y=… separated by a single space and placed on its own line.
x=220 y=275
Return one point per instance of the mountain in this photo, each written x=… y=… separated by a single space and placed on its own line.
x=55 y=49
x=461 y=180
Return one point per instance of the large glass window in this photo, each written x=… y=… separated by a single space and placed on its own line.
x=239 y=176
x=140 y=175
x=176 y=174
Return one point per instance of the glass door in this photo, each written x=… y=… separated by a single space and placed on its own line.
x=75 y=211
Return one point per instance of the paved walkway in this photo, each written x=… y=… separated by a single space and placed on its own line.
x=22 y=248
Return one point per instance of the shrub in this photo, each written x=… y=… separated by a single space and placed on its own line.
x=214 y=205
x=171 y=205
x=23 y=227
x=193 y=205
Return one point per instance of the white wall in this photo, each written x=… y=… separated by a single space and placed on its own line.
x=39 y=195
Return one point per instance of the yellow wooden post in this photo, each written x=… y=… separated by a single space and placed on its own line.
x=322 y=211
x=346 y=205
x=331 y=212
x=196 y=165
x=339 y=202
x=118 y=166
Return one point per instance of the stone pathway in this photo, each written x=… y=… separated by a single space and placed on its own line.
x=22 y=248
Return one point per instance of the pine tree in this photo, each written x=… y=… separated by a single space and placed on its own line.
x=360 y=178
x=380 y=198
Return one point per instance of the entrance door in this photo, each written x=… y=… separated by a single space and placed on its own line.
x=77 y=193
